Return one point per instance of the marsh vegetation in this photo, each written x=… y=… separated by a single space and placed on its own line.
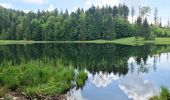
x=39 y=78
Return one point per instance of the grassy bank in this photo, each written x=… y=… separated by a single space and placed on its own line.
x=141 y=41
x=123 y=41
x=37 y=78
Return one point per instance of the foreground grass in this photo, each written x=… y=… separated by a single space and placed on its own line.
x=123 y=41
x=164 y=95
x=36 y=78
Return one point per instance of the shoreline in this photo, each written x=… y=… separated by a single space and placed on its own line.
x=12 y=95
x=38 y=79
x=123 y=41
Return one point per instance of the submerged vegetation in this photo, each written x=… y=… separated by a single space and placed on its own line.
x=37 y=78
x=164 y=95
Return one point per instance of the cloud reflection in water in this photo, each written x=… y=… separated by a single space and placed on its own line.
x=75 y=94
x=136 y=88
x=133 y=85
x=102 y=79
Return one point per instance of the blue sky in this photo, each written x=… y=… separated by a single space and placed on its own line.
x=27 y=5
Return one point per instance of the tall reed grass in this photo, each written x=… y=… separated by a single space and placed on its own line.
x=164 y=94
x=38 y=78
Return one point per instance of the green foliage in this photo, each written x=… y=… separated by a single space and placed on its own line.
x=160 y=32
x=36 y=78
x=123 y=28
x=107 y=23
x=138 y=27
x=152 y=36
x=146 y=30
x=94 y=23
x=80 y=79
x=164 y=94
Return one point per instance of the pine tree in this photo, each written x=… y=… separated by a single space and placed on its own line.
x=146 y=30
x=138 y=32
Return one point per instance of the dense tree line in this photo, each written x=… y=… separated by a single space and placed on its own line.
x=95 y=23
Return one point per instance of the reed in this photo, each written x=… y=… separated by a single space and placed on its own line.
x=38 y=78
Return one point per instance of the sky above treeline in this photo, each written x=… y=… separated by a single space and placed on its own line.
x=163 y=6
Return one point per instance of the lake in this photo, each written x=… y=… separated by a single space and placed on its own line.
x=115 y=72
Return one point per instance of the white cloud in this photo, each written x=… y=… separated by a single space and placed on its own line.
x=73 y=10
x=35 y=1
x=100 y=3
x=26 y=11
x=6 y=5
x=51 y=7
x=130 y=3
x=136 y=88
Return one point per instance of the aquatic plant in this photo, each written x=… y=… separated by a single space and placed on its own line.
x=164 y=94
x=80 y=79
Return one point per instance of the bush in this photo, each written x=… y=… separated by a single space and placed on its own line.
x=152 y=36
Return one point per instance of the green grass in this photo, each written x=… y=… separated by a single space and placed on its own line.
x=141 y=41
x=164 y=95
x=128 y=41
x=37 y=78
x=123 y=41
x=16 y=42
x=80 y=80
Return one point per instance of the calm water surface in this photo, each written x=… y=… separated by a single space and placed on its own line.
x=115 y=72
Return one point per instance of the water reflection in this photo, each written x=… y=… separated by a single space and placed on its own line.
x=132 y=85
x=75 y=94
x=137 y=88
x=140 y=83
x=102 y=79
x=115 y=72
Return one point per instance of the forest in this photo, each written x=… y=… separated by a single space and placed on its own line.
x=106 y=23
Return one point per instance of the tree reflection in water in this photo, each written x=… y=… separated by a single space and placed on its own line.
x=107 y=65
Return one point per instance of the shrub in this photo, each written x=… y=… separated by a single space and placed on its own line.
x=152 y=36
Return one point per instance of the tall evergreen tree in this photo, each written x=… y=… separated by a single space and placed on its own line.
x=146 y=30
x=138 y=32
